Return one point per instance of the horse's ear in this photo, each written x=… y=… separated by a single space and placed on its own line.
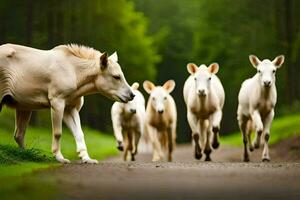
x=148 y=86
x=114 y=57
x=135 y=86
x=169 y=86
x=103 y=61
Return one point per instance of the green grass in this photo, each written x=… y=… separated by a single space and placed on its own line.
x=17 y=166
x=282 y=128
x=37 y=155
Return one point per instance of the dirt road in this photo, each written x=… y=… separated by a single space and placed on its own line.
x=185 y=178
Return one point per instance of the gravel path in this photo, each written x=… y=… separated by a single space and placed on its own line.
x=185 y=178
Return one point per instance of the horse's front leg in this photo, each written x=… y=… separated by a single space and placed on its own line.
x=57 y=112
x=72 y=120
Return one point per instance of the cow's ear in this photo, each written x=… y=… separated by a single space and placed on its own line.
x=278 y=61
x=103 y=61
x=192 y=68
x=148 y=86
x=169 y=86
x=213 y=68
x=254 y=60
x=135 y=86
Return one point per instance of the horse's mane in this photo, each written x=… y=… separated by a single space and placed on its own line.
x=81 y=51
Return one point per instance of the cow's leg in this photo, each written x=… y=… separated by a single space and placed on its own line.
x=258 y=127
x=72 y=120
x=243 y=127
x=216 y=121
x=126 y=145
x=157 y=151
x=170 y=143
x=136 y=138
x=21 y=121
x=248 y=133
x=266 y=133
x=207 y=149
x=57 y=112
x=193 y=122
x=130 y=145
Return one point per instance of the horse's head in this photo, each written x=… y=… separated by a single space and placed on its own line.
x=111 y=81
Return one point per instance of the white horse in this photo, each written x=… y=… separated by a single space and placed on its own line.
x=58 y=79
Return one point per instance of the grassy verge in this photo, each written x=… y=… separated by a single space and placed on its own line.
x=38 y=151
x=282 y=128
x=16 y=165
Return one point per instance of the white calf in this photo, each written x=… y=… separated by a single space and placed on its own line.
x=161 y=118
x=204 y=97
x=257 y=99
x=128 y=122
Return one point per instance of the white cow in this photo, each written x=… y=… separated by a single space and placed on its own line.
x=257 y=99
x=128 y=123
x=161 y=118
x=58 y=79
x=204 y=97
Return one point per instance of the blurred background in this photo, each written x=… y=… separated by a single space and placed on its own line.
x=155 y=39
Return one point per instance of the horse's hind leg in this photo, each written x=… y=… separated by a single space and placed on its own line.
x=21 y=121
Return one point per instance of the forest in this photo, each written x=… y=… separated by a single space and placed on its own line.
x=155 y=39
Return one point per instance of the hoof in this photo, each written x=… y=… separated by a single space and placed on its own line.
x=64 y=161
x=266 y=159
x=207 y=158
x=90 y=161
x=120 y=148
x=132 y=157
x=215 y=145
x=246 y=159
x=198 y=155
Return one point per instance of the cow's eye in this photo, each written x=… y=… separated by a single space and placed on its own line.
x=117 y=77
x=195 y=78
x=209 y=78
x=259 y=71
x=153 y=98
x=274 y=71
x=165 y=98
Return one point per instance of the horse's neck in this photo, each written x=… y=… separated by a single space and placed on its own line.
x=85 y=89
x=86 y=71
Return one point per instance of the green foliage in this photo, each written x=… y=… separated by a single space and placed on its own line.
x=226 y=31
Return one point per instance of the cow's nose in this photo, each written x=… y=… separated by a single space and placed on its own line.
x=201 y=92
x=267 y=83
x=161 y=111
x=133 y=110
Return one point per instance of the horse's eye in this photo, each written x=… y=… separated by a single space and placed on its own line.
x=117 y=77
